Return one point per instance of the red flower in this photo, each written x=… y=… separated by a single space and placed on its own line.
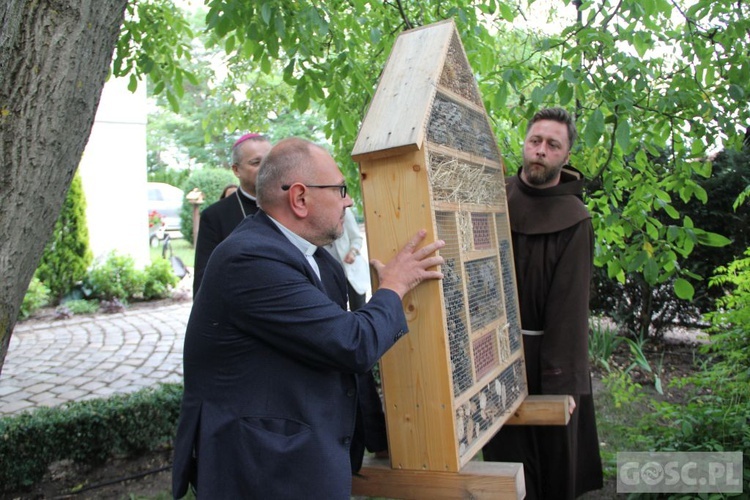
x=155 y=219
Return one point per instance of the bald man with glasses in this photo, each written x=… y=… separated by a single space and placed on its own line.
x=272 y=355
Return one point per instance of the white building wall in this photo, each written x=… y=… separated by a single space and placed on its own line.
x=113 y=171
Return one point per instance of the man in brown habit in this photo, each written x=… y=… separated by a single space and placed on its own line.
x=553 y=243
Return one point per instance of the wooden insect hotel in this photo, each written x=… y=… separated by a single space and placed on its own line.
x=429 y=159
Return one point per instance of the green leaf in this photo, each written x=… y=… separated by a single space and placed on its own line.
x=651 y=271
x=174 y=103
x=594 y=129
x=613 y=268
x=133 y=83
x=537 y=95
x=506 y=12
x=736 y=92
x=550 y=88
x=642 y=42
x=265 y=13
x=248 y=47
x=280 y=27
x=192 y=78
x=683 y=289
x=302 y=100
x=265 y=65
x=570 y=76
x=671 y=211
x=229 y=45
x=639 y=260
x=688 y=246
x=500 y=96
x=711 y=239
x=375 y=36
x=622 y=134
x=223 y=26
x=565 y=92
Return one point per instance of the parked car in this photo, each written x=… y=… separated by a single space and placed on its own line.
x=164 y=205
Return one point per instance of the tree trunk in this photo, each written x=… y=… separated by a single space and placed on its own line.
x=54 y=58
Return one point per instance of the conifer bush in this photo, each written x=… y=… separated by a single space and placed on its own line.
x=67 y=256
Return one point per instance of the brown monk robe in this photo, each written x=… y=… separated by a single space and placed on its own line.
x=553 y=249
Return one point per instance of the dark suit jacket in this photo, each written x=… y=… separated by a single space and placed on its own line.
x=269 y=364
x=217 y=222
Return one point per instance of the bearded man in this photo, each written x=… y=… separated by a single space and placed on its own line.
x=553 y=242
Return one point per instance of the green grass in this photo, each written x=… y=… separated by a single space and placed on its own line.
x=620 y=404
x=181 y=247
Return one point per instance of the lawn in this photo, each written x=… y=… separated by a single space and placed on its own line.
x=181 y=247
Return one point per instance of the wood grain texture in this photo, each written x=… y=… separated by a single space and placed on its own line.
x=415 y=372
x=538 y=409
x=477 y=480
x=396 y=119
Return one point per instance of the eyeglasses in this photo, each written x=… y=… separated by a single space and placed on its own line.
x=340 y=187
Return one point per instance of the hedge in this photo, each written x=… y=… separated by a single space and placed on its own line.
x=87 y=432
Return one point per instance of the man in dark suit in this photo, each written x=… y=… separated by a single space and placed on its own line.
x=220 y=219
x=271 y=354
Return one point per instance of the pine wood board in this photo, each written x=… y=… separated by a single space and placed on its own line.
x=396 y=119
x=477 y=480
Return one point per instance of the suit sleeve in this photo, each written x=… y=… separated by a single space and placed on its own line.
x=208 y=239
x=564 y=356
x=274 y=301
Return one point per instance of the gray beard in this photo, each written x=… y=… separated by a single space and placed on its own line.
x=332 y=236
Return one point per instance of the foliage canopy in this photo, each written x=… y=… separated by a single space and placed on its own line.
x=646 y=80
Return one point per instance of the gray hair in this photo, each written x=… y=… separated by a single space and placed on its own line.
x=558 y=115
x=247 y=137
x=286 y=160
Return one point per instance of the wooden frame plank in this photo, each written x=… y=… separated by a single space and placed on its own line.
x=538 y=409
x=417 y=393
x=476 y=480
x=396 y=118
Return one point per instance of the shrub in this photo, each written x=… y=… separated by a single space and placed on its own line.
x=715 y=417
x=210 y=181
x=160 y=279
x=67 y=255
x=37 y=296
x=651 y=309
x=167 y=175
x=116 y=278
x=81 y=306
x=87 y=432
x=618 y=406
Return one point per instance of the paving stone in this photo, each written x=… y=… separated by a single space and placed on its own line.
x=17 y=406
x=52 y=362
x=6 y=390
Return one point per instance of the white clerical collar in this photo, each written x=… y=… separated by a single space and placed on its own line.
x=246 y=194
x=304 y=246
